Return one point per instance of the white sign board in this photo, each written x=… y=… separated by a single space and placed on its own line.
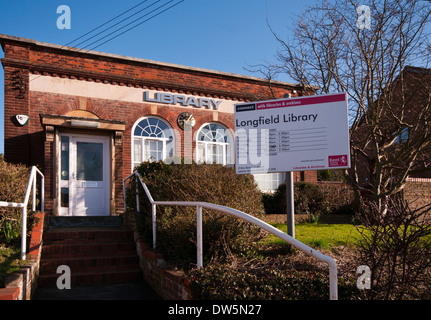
x=298 y=134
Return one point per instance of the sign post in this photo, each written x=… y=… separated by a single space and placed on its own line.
x=294 y=134
x=290 y=204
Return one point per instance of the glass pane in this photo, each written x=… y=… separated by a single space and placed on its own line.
x=214 y=153
x=89 y=161
x=151 y=127
x=220 y=154
x=269 y=181
x=147 y=153
x=170 y=148
x=153 y=150
x=153 y=122
x=64 y=197
x=217 y=154
x=156 y=150
x=64 y=170
x=138 y=130
x=137 y=149
x=200 y=152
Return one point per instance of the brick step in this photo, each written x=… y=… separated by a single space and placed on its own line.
x=84 y=278
x=54 y=234
x=95 y=254
x=96 y=221
x=72 y=250
x=64 y=236
x=110 y=263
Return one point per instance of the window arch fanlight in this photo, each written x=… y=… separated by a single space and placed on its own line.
x=214 y=144
x=153 y=140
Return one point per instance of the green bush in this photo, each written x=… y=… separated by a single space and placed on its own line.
x=309 y=199
x=217 y=282
x=312 y=199
x=13 y=184
x=11 y=231
x=176 y=226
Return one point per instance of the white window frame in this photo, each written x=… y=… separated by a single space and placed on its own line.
x=203 y=146
x=152 y=136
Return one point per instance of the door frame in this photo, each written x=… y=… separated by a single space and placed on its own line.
x=107 y=156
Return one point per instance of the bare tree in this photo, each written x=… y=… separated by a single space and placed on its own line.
x=397 y=249
x=334 y=50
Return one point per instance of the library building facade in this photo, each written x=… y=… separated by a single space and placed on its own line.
x=87 y=119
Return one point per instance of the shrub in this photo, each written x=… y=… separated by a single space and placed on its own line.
x=309 y=198
x=313 y=199
x=218 y=282
x=396 y=246
x=176 y=226
x=339 y=198
x=13 y=184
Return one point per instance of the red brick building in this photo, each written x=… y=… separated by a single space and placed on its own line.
x=87 y=118
x=404 y=131
x=403 y=126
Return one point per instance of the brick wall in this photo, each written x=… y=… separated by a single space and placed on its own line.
x=417 y=192
x=22 y=284
x=168 y=284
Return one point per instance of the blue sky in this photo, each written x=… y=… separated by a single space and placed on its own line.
x=222 y=35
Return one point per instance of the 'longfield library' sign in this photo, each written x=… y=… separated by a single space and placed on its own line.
x=298 y=134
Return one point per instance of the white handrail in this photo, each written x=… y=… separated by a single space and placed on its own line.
x=31 y=187
x=333 y=279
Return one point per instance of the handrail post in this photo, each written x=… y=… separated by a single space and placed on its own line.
x=42 y=194
x=138 y=209
x=31 y=188
x=33 y=207
x=24 y=233
x=153 y=220
x=333 y=282
x=124 y=196
x=199 y=239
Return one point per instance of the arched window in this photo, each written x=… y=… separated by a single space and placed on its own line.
x=214 y=145
x=153 y=140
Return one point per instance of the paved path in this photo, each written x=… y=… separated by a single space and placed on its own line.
x=123 y=291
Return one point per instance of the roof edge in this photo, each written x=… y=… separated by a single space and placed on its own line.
x=4 y=37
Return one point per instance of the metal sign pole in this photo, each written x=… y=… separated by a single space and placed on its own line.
x=290 y=204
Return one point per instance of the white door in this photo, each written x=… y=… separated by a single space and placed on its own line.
x=84 y=175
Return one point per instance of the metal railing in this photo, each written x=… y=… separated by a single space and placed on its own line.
x=31 y=187
x=333 y=279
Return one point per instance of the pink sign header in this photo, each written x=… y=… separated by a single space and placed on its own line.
x=301 y=101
